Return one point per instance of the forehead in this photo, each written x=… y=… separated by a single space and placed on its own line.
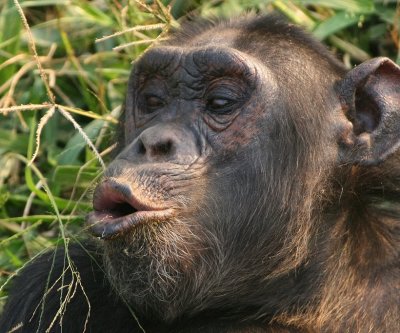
x=195 y=61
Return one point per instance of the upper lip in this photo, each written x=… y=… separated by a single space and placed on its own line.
x=111 y=193
x=117 y=210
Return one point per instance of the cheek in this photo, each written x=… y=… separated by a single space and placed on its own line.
x=244 y=131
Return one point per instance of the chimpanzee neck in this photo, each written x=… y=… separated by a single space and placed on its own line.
x=359 y=287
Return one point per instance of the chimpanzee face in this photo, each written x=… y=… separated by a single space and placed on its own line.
x=192 y=123
x=229 y=152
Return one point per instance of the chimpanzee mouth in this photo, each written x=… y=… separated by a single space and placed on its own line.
x=117 y=210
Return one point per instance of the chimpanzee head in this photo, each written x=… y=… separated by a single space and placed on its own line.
x=234 y=134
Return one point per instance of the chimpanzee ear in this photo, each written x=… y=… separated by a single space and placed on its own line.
x=370 y=97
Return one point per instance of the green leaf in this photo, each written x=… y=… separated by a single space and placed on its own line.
x=353 y=6
x=94 y=14
x=334 y=24
x=4 y=198
x=77 y=144
x=11 y=141
x=15 y=261
x=41 y=3
x=10 y=29
x=68 y=174
x=387 y=14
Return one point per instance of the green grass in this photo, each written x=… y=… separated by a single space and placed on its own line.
x=57 y=120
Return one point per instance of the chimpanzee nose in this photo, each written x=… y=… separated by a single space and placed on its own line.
x=165 y=143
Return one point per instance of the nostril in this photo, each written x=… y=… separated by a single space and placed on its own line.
x=162 y=148
x=141 y=149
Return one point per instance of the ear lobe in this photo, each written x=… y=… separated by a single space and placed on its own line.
x=370 y=97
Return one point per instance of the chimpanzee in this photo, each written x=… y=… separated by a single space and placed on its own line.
x=257 y=190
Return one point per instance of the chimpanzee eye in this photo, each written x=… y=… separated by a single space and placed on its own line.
x=153 y=102
x=219 y=102
x=224 y=95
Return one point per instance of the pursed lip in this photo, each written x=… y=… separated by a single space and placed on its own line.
x=117 y=210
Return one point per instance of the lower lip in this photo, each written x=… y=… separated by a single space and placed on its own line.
x=106 y=226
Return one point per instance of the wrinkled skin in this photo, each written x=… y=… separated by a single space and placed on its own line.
x=256 y=190
x=192 y=154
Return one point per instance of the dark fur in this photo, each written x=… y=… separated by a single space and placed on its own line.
x=306 y=237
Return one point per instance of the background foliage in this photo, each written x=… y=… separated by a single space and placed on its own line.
x=80 y=86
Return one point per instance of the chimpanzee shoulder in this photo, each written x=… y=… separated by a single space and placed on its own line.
x=64 y=292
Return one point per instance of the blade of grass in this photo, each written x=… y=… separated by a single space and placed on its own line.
x=62 y=203
x=10 y=30
x=334 y=24
x=354 y=6
x=44 y=218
